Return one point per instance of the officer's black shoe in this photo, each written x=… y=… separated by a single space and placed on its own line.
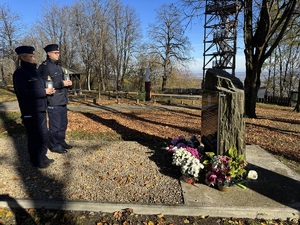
x=50 y=161
x=42 y=165
x=66 y=146
x=59 y=151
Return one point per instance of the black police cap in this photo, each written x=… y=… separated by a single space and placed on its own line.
x=24 y=49
x=51 y=47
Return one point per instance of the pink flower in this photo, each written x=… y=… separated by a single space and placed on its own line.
x=170 y=150
x=210 y=179
x=193 y=151
x=220 y=180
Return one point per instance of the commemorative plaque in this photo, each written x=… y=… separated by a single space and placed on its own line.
x=210 y=120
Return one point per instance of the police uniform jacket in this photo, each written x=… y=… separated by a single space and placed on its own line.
x=52 y=68
x=29 y=89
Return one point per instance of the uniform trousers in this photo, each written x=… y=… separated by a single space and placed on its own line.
x=37 y=134
x=58 y=122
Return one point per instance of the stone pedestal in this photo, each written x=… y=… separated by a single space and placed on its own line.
x=223 y=124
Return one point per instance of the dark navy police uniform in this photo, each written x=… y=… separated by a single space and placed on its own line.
x=57 y=105
x=31 y=95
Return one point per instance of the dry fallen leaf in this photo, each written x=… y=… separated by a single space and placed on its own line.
x=118 y=179
x=102 y=177
x=160 y=215
x=128 y=211
x=118 y=215
x=8 y=214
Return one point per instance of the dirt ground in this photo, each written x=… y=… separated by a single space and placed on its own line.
x=125 y=217
x=276 y=129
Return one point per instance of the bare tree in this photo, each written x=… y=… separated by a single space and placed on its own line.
x=85 y=31
x=9 y=36
x=102 y=40
x=285 y=65
x=51 y=25
x=125 y=28
x=168 y=39
x=192 y=8
x=265 y=23
x=99 y=36
x=261 y=39
x=54 y=27
x=95 y=40
x=296 y=35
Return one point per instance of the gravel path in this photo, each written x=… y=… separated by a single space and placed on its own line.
x=126 y=172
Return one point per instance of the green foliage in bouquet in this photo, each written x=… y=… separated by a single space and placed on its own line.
x=237 y=164
x=225 y=170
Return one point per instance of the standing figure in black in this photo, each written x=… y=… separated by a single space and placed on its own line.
x=57 y=103
x=31 y=94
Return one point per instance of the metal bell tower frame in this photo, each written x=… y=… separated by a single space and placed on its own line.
x=220 y=35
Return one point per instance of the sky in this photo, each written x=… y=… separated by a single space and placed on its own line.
x=145 y=10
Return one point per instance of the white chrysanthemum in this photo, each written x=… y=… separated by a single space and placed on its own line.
x=192 y=167
x=178 y=156
x=188 y=163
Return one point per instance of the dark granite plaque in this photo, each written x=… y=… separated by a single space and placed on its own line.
x=210 y=121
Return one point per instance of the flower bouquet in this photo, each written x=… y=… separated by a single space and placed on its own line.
x=221 y=170
x=186 y=156
x=225 y=170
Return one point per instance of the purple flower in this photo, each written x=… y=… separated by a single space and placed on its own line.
x=174 y=141
x=179 y=145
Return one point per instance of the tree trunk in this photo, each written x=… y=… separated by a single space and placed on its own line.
x=274 y=76
x=281 y=76
x=258 y=46
x=99 y=90
x=164 y=83
x=249 y=82
x=252 y=84
x=3 y=76
x=88 y=80
x=297 y=107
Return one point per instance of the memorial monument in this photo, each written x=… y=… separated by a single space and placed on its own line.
x=223 y=124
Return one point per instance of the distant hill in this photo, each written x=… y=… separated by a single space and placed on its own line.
x=241 y=75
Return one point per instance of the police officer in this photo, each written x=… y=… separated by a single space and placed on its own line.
x=31 y=94
x=57 y=103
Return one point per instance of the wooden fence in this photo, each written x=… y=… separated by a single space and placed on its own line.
x=284 y=101
x=185 y=91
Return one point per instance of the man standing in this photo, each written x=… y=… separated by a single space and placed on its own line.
x=57 y=103
x=31 y=95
